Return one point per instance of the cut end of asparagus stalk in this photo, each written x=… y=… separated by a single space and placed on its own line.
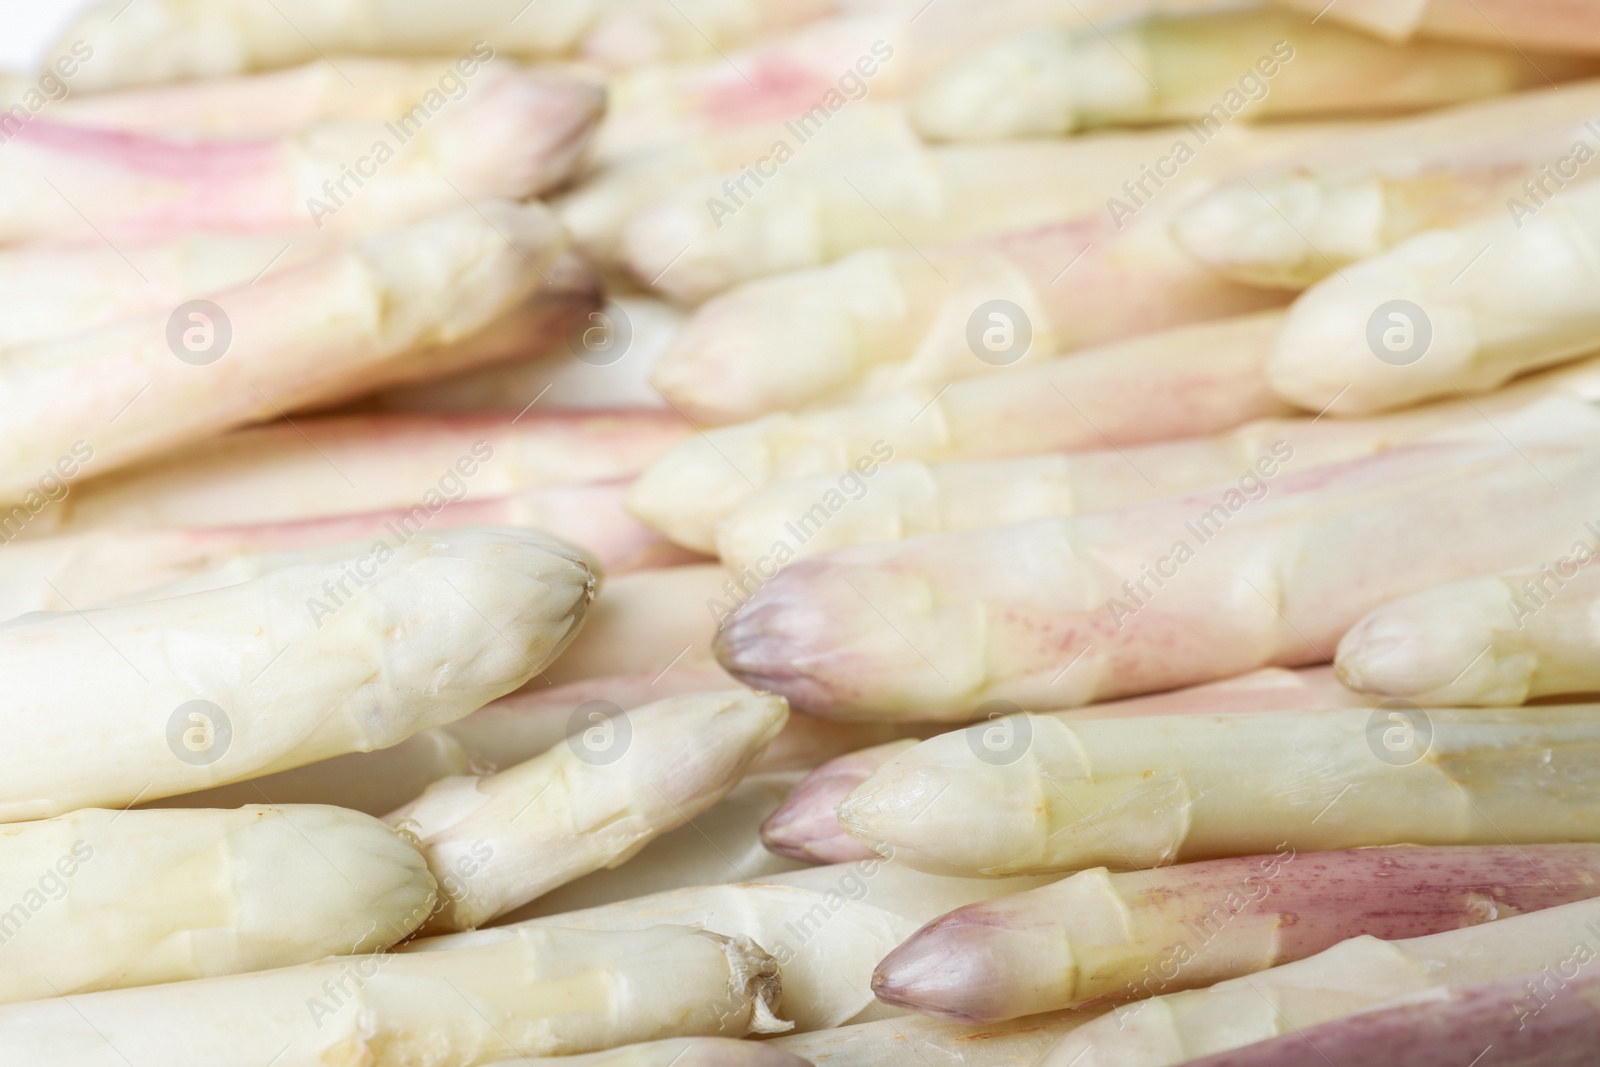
x=806 y=826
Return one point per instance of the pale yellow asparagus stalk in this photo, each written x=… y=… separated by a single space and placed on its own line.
x=1453 y=311
x=417 y=465
x=497 y=842
x=918 y=1040
x=351 y=650
x=107 y=899
x=1351 y=977
x=506 y=993
x=1546 y=24
x=1291 y=226
x=806 y=826
x=925 y=315
x=700 y=482
x=785 y=521
x=1209 y=67
x=1105 y=792
x=168 y=378
x=1060 y=612
x=1496 y=639
x=647 y=621
x=826 y=927
x=684 y=1052
x=704 y=236
x=1098 y=937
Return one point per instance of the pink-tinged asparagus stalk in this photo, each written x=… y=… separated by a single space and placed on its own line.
x=703 y=236
x=1147 y=389
x=1170 y=593
x=646 y=621
x=1098 y=937
x=1292 y=226
x=170 y=41
x=916 y=1040
x=325 y=467
x=1209 y=67
x=1351 y=977
x=904 y=316
x=1453 y=311
x=1548 y=1019
x=1551 y=25
x=515 y=138
x=806 y=827
x=911 y=499
x=169 y=378
x=1496 y=639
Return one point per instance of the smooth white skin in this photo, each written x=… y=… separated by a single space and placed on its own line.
x=301 y=668
x=110 y=899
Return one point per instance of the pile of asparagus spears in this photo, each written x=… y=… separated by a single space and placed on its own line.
x=744 y=533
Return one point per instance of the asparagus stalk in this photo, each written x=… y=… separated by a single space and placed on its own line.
x=1177 y=788
x=1097 y=936
x=916 y=1041
x=497 y=842
x=522 y=992
x=826 y=927
x=170 y=41
x=1292 y=226
x=353 y=649
x=104 y=900
x=1545 y=24
x=684 y=1052
x=1209 y=67
x=1344 y=980
x=806 y=827
x=1102 y=606
x=333 y=466
x=1497 y=639
x=645 y=621
x=1416 y=323
x=703 y=480
x=1547 y=1020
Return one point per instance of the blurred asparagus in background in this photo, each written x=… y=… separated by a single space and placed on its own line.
x=687 y=1052
x=647 y=621
x=1548 y=24
x=917 y=1040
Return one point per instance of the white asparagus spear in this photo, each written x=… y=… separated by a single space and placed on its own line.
x=507 y=993
x=353 y=650
x=105 y=900
x=332 y=466
x=807 y=828
x=516 y=137
x=1032 y=409
x=497 y=842
x=919 y=1040
x=1353 y=976
x=1291 y=226
x=1552 y=25
x=825 y=926
x=703 y=236
x=1209 y=67
x=168 y=378
x=171 y=41
x=1459 y=310
x=1174 y=788
x=646 y=621
x=1059 y=612
x=1497 y=639
x=926 y=315
x=685 y=1052
x=911 y=499
x=1098 y=937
